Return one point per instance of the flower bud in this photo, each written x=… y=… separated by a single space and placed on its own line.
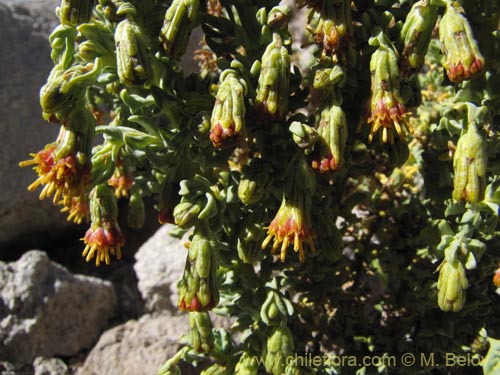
x=416 y=35
x=452 y=283
x=58 y=95
x=202 y=338
x=277 y=18
x=253 y=184
x=332 y=137
x=136 y=211
x=247 y=365
x=303 y=135
x=228 y=115
x=279 y=346
x=75 y=12
x=462 y=57
x=275 y=309
x=186 y=213
x=250 y=238
x=215 y=369
x=177 y=26
x=104 y=236
x=271 y=101
x=132 y=57
x=198 y=286
x=469 y=165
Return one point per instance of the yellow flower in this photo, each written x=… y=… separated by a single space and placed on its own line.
x=290 y=226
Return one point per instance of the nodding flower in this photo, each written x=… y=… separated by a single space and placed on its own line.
x=462 y=57
x=104 y=237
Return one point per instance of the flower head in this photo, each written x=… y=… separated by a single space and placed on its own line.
x=228 y=114
x=198 y=286
x=79 y=209
x=291 y=225
x=121 y=181
x=62 y=176
x=332 y=138
x=386 y=113
x=104 y=236
x=462 y=57
x=271 y=101
x=469 y=166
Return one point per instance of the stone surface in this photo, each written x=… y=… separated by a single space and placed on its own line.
x=49 y=366
x=47 y=311
x=138 y=347
x=24 y=66
x=159 y=266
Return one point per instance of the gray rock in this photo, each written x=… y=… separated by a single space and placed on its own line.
x=50 y=366
x=159 y=266
x=24 y=66
x=136 y=347
x=47 y=311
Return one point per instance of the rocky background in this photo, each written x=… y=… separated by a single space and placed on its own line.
x=58 y=314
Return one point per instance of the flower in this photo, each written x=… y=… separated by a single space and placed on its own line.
x=386 y=112
x=462 y=57
x=177 y=26
x=198 y=286
x=75 y=12
x=104 y=236
x=104 y=240
x=62 y=176
x=290 y=226
x=79 y=209
x=416 y=35
x=452 y=284
x=496 y=277
x=332 y=138
x=271 y=101
x=228 y=114
x=132 y=56
x=121 y=181
x=469 y=166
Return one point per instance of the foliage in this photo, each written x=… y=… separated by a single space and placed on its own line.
x=377 y=163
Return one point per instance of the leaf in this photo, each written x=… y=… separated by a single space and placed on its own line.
x=491 y=362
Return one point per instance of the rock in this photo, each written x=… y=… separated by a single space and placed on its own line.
x=49 y=366
x=138 y=347
x=159 y=266
x=47 y=311
x=25 y=64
